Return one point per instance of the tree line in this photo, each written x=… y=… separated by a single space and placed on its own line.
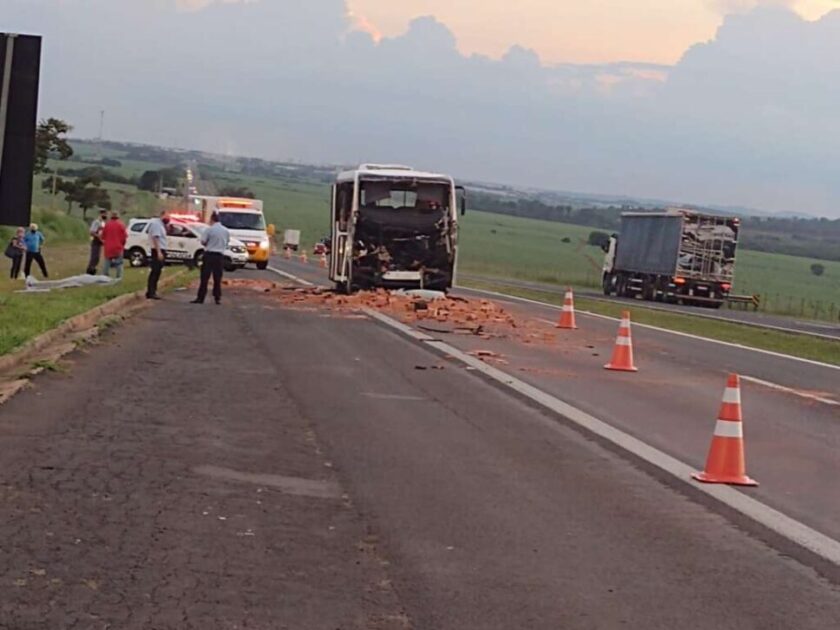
x=795 y=236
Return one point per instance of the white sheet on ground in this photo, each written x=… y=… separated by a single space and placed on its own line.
x=33 y=285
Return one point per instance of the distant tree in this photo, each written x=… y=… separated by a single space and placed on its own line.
x=154 y=181
x=64 y=186
x=51 y=142
x=565 y=239
x=598 y=238
x=92 y=196
x=85 y=191
x=817 y=269
x=237 y=191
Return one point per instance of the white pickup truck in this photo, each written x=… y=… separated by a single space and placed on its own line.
x=183 y=245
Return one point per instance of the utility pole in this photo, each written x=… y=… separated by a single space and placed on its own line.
x=101 y=131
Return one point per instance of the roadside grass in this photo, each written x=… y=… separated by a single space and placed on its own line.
x=815 y=349
x=24 y=316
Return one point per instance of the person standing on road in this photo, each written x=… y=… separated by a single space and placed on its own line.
x=34 y=240
x=15 y=250
x=96 y=227
x=157 y=236
x=114 y=236
x=215 y=240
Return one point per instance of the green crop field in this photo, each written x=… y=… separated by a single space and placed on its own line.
x=504 y=246
x=547 y=251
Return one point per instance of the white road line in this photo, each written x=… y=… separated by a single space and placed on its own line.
x=681 y=311
x=789 y=528
x=758 y=381
x=289 y=276
x=658 y=329
x=788 y=390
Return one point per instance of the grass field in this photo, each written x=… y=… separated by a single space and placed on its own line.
x=504 y=246
x=529 y=249
x=26 y=315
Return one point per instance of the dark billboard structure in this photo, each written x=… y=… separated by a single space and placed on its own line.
x=20 y=65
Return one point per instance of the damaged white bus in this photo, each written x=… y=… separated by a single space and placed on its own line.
x=394 y=227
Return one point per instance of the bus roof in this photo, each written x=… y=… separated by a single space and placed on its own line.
x=391 y=171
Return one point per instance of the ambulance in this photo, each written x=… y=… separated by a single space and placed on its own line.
x=243 y=218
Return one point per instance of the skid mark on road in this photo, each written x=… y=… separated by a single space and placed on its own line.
x=789 y=390
x=391 y=396
x=289 y=485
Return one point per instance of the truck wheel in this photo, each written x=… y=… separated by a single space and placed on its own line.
x=621 y=287
x=262 y=266
x=136 y=257
x=648 y=291
x=607 y=284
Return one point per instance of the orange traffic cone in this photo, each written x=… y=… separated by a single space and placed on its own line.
x=567 y=315
x=323 y=261
x=303 y=257
x=622 y=358
x=725 y=463
x=287 y=253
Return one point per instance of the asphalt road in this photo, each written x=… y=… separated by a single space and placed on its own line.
x=792 y=438
x=753 y=318
x=251 y=465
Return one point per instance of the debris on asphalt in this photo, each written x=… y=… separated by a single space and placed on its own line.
x=431 y=311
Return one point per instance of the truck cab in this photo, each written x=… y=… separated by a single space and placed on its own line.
x=394 y=226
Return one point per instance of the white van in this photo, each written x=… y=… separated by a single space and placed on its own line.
x=244 y=220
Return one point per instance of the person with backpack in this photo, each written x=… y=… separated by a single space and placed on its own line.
x=15 y=250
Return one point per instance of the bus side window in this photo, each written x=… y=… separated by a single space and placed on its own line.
x=344 y=204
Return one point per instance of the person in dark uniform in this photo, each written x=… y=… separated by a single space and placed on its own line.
x=215 y=240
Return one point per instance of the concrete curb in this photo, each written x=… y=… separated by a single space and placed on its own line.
x=21 y=356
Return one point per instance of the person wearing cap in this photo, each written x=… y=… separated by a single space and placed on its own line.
x=157 y=238
x=96 y=241
x=215 y=240
x=34 y=240
x=114 y=237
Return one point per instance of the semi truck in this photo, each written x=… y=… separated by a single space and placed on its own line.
x=394 y=227
x=673 y=256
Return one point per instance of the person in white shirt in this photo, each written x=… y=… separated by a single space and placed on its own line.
x=215 y=240
x=157 y=236
x=95 y=232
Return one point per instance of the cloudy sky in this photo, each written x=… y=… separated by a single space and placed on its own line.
x=706 y=101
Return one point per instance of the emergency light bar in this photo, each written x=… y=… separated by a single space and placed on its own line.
x=235 y=203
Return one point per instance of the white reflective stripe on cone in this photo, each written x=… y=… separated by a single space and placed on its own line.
x=567 y=309
x=622 y=341
x=729 y=429
x=732 y=395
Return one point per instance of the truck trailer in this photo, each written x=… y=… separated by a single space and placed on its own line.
x=673 y=256
x=394 y=227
